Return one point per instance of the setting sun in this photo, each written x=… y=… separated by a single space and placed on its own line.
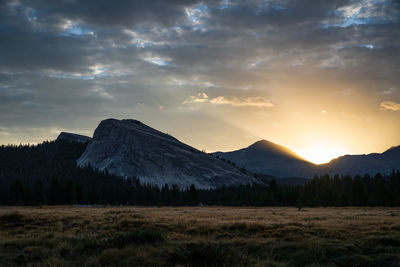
x=321 y=154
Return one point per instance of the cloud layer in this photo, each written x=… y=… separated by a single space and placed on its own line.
x=389 y=105
x=259 y=102
x=69 y=63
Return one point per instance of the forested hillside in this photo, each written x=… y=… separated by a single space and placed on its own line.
x=47 y=173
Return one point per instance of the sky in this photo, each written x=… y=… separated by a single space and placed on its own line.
x=319 y=77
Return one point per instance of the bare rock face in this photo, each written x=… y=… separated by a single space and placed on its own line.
x=130 y=148
x=71 y=137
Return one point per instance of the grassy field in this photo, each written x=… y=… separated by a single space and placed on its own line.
x=199 y=236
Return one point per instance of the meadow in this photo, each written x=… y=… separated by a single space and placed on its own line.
x=199 y=236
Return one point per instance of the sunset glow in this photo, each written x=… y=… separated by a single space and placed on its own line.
x=321 y=79
x=321 y=154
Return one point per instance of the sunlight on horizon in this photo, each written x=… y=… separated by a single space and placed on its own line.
x=321 y=154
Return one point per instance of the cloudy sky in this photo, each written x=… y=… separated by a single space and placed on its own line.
x=320 y=77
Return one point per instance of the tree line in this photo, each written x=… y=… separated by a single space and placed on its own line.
x=46 y=174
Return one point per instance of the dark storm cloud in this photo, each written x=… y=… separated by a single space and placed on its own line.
x=282 y=14
x=217 y=34
x=59 y=59
x=21 y=50
x=24 y=46
x=108 y=14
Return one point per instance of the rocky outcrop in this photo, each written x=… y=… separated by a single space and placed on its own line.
x=71 y=137
x=130 y=148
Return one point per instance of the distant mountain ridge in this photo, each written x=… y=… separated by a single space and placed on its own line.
x=264 y=157
x=130 y=148
x=372 y=164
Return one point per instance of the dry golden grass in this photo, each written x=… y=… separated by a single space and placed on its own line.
x=199 y=236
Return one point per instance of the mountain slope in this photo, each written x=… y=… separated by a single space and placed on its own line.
x=383 y=163
x=131 y=148
x=265 y=157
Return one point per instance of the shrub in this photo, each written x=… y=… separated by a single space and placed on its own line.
x=299 y=204
x=213 y=254
x=144 y=236
x=12 y=219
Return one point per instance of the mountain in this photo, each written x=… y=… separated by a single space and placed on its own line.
x=372 y=164
x=71 y=137
x=265 y=157
x=130 y=148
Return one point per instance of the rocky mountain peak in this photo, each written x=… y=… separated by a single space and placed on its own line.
x=130 y=148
